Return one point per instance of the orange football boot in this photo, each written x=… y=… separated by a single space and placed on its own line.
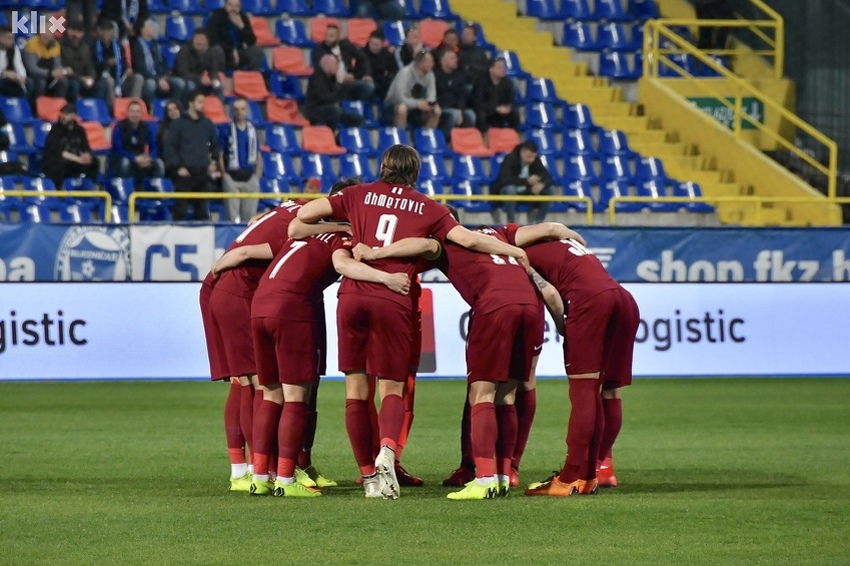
x=555 y=487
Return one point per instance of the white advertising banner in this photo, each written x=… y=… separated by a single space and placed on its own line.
x=154 y=331
x=172 y=253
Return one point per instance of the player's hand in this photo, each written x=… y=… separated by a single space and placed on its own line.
x=397 y=283
x=573 y=235
x=523 y=260
x=362 y=252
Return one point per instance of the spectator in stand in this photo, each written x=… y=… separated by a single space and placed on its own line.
x=191 y=149
x=83 y=80
x=353 y=75
x=412 y=45
x=128 y=14
x=474 y=61
x=149 y=64
x=112 y=65
x=493 y=99
x=134 y=150
x=523 y=173
x=13 y=73
x=413 y=95
x=381 y=61
x=233 y=43
x=43 y=62
x=451 y=95
x=451 y=42
x=67 y=153
x=195 y=65
x=240 y=163
x=323 y=98
x=384 y=9
x=172 y=112
x=84 y=11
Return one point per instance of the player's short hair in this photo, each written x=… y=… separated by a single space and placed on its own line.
x=343 y=183
x=529 y=145
x=453 y=212
x=400 y=165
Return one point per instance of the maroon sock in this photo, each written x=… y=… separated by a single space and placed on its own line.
x=466 y=460
x=583 y=395
x=506 y=419
x=305 y=456
x=391 y=420
x=232 y=429
x=484 y=432
x=265 y=424
x=246 y=412
x=373 y=417
x=613 y=409
x=360 y=434
x=595 y=441
x=289 y=434
x=526 y=407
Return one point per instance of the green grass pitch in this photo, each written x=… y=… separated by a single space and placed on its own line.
x=711 y=472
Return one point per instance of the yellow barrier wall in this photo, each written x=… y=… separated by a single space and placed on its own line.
x=750 y=166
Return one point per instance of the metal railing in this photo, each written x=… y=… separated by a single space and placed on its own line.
x=107 y=198
x=655 y=56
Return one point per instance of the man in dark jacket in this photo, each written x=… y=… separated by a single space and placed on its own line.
x=67 y=152
x=322 y=102
x=382 y=63
x=232 y=40
x=134 y=148
x=77 y=58
x=523 y=173
x=195 y=65
x=472 y=59
x=353 y=75
x=128 y=14
x=191 y=147
x=493 y=99
x=112 y=66
x=149 y=63
x=451 y=95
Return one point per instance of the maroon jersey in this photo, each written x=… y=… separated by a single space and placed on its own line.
x=381 y=214
x=487 y=281
x=569 y=266
x=271 y=229
x=301 y=270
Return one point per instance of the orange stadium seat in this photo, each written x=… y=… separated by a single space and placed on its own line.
x=432 y=32
x=48 y=108
x=96 y=135
x=121 y=104
x=320 y=139
x=284 y=111
x=469 y=141
x=214 y=110
x=359 y=30
x=290 y=60
x=250 y=85
x=319 y=25
x=502 y=140
x=260 y=27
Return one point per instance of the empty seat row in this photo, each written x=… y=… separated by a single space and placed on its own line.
x=603 y=10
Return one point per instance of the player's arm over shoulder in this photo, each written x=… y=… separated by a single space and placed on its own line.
x=315 y=210
x=478 y=242
x=528 y=235
x=237 y=256
x=551 y=297
x=429 y=248
x=298 y=230
x=347 y=266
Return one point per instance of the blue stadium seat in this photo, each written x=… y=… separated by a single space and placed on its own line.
x=579 y=168
x=512 y=64
x=437 y=9
x=120 y=189
x=279 y=166
x=258 y=7
x=467 y=187
x=552 y=163
x=545 y=139
x=655 y=189
x=120 y=214
x=211 y=5
x=642 y=10
x=636 y=37
x=178 y=28
x=609 y=11
x=410 y=12
x=578 y=116
x=94 y=110
x=541 y=115
x=394 y=32
x=156 y=209
x=541 y=9
x=541 y=90
x=273 y=188
x=389 y=136
x=319 y=166
x=35 y=214
x=357 y=140
x=708 y=72
x=578 y=36
x=611 y=189
x=187 y=7
x=293 y=32
x=286 y=86
x=615 y=65
x=430 y=187
x=38 y=186
x=331 y=8
x=692 y=190
x=612 y=37
x=364 y=109
x=8 y=183
x=158 y=7
x=79 y=184
x=615 y=142
x=74 y=213
x=578 y=189
x=430 y=140
x=433 y=168
x=356 y=165
x=578 y=142
x=169 y=53
x=577 y=10
x=650 y=169
x=8 y=209
x=17 y=138
x=255 y=114
x=294 y=7
x=18 y=110
x=681 y=60
x=616 y=167
x=469 y=168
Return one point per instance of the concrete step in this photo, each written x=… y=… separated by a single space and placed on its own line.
x=647 y=137
x=720 y=189
x=626 y=124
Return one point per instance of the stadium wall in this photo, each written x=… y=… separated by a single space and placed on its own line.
x=65 y=331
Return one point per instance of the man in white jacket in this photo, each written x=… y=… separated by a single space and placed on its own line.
x=13 y=74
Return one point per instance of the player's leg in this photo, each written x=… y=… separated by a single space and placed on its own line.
x=526 y=395
x=465 y=472
x=390 y=422
x=290 y=433
x=484 y=433
x=506 y=421
x=612 y=410
x=267 y=413
x=409 y=397
x=305 y=458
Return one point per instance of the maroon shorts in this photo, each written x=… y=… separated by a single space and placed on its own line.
x=601 y=336
x=540 y=325
x=415 y=341
x=374 y=335
x=215 y=344
x=231 y=315
x=286 y=351
x=501 y=343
